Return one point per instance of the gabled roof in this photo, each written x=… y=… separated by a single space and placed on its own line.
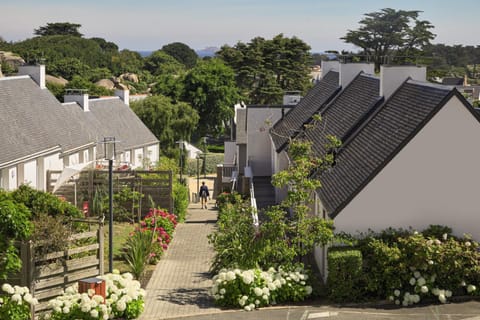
x=452 y=81
x=32 y=120
x=116 y=119
x=344 y=113
x=379 y=139
x=292 y=123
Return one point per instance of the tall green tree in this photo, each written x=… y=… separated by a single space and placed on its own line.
x=265 y=69
x=59 y=28
x=388 y=33
x=160 y=62
x=210 y=88
x=182 y=53
x=168 y=121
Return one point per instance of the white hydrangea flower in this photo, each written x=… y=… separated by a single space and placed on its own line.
x=471 y=288
x=424 y=289
x=247 y=308
x=258 y=292
x=421 y=281
x=416 y=274
x=230 y=275
x=8 y=288
x=412 y=281
x=17 y=298
x=308 y=290
x=222 y=291
x=396 y=293
x=448 y=293
x=442 y=298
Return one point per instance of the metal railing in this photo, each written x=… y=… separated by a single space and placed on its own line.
x=253 y=201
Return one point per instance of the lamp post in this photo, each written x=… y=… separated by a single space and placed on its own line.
x=109 y=152
x=198 y=178
x=180 y=145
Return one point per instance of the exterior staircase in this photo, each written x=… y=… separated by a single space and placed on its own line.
x=264 y=192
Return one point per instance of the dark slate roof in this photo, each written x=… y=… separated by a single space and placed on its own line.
x=291 y=124
x=116 y=119
x=379 y=139
x=32 y=120
x=344 y=113
x=452 y=81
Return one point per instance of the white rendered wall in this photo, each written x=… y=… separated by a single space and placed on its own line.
x=153 y=154
x=12 y=178
x=30 y=173
x=433 y=180
x=259 y=150
x=391 y=77
x=348 y=71
x=137 y=157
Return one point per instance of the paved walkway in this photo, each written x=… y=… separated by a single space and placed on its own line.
x=180 y=283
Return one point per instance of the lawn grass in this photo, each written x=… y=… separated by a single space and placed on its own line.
x=121 y=231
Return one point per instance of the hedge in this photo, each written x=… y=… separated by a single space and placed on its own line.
x=344 y=273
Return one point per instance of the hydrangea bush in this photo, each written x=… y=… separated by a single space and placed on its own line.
x=15 y=302
x=409 y=267
x=124 y=300
x=254 y=288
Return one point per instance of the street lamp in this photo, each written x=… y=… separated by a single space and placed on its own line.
x=180 y=145
x=109 y=153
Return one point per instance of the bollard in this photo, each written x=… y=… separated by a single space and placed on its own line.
x=96 y=284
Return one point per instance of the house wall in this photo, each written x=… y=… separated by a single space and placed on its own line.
x=153 y=153
x=137 y=157
x=259 y=150
x=12 y=178
x=30 y=173
x=433 y=180
x=52 y=162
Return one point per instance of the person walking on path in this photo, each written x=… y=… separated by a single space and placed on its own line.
x=204 y=195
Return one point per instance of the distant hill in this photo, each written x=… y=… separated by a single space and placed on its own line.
x=206 y=52
x=145 y=53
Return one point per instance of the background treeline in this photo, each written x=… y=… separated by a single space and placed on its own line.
x=191 y=97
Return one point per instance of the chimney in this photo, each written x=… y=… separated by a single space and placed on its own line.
x=37 y=72
x=327 y=66
x=79 y=96
x=348 y=71
x=124 y=95
x=391 y=77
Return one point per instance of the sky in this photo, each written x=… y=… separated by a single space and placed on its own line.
x=151 y=24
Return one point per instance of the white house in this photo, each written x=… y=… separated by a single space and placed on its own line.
x=38 y=133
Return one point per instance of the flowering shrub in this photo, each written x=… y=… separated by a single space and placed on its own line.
x=15 y=302
x=160 y=219
x=125 y=300
x=254 y=288
x=407 y=267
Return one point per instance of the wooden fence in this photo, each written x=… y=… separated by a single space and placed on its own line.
x=154 y=185
x=47 y=275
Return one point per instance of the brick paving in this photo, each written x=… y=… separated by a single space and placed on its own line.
x=180 y=283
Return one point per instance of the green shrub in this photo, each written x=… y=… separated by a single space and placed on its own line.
x=226 y=198
x=234 y=240
x=180 y=201
x=138 y=251
x=407 y=267
x=254 y=288
x=437 y=231
x=14 y=225
x=42 y=202
x=209 y=167
x=344 y=274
